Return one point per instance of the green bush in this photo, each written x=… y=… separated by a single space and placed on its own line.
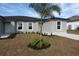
x=37 y=32
x=39 y=44
x=77 y=28
x=45 y=42
x=12 y=35
x=34 y=42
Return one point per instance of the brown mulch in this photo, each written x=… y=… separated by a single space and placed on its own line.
x=19 y=46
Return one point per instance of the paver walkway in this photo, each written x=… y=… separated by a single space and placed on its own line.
x=67 y=35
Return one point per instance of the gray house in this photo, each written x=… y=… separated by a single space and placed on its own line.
x=73 y=23
x=14 y=24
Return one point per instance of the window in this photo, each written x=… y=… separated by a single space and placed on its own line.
x=58 y=25
x=30 y=25
x=19 y=25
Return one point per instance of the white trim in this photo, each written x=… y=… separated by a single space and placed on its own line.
x=28 y=26
x=60 y=25
x=18 y=25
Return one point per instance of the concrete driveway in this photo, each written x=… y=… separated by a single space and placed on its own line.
x=67 y=35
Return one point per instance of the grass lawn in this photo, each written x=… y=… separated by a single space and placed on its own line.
x=18 y=46
x=73 y=31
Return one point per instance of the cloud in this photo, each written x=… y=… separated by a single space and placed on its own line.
x=69 y=9
x=31 y=13
x=7 y=10
x=10 y=10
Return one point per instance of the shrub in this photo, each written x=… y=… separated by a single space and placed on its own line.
x=33 y=32
x=19 y=32
x=44 y=34
x=39 y=44
x=45 y=42
x=77 y=28
x=12 y=35
x=34 y=42
x=37 y=32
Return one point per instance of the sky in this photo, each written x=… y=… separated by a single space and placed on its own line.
x=22 y=9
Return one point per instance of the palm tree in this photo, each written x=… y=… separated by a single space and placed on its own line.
x=45 y=11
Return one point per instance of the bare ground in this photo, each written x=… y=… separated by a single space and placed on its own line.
x=73 y=31
x=19 y=46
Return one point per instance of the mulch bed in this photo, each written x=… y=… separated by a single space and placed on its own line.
x=19 y=46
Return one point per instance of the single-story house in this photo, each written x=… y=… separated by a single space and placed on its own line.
x=73 y=23
x=14 y=24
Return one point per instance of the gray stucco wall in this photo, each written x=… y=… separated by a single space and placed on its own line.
x=12 y=27
x=35 y=27
x=51 y=27
x=48 y=27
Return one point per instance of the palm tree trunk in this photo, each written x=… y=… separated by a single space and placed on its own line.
x=40 y=31
x=41 y=24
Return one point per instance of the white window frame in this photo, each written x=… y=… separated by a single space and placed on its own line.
x=31 y=25
x=58 y=25
x=19 y=25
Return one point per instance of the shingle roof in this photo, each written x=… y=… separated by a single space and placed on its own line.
x=20 y=18
x=74 y=18
x=63 y=19
x=26 y=18
x=2 y=18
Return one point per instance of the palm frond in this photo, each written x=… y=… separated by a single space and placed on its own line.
x=56 y=8
x=45 y=9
